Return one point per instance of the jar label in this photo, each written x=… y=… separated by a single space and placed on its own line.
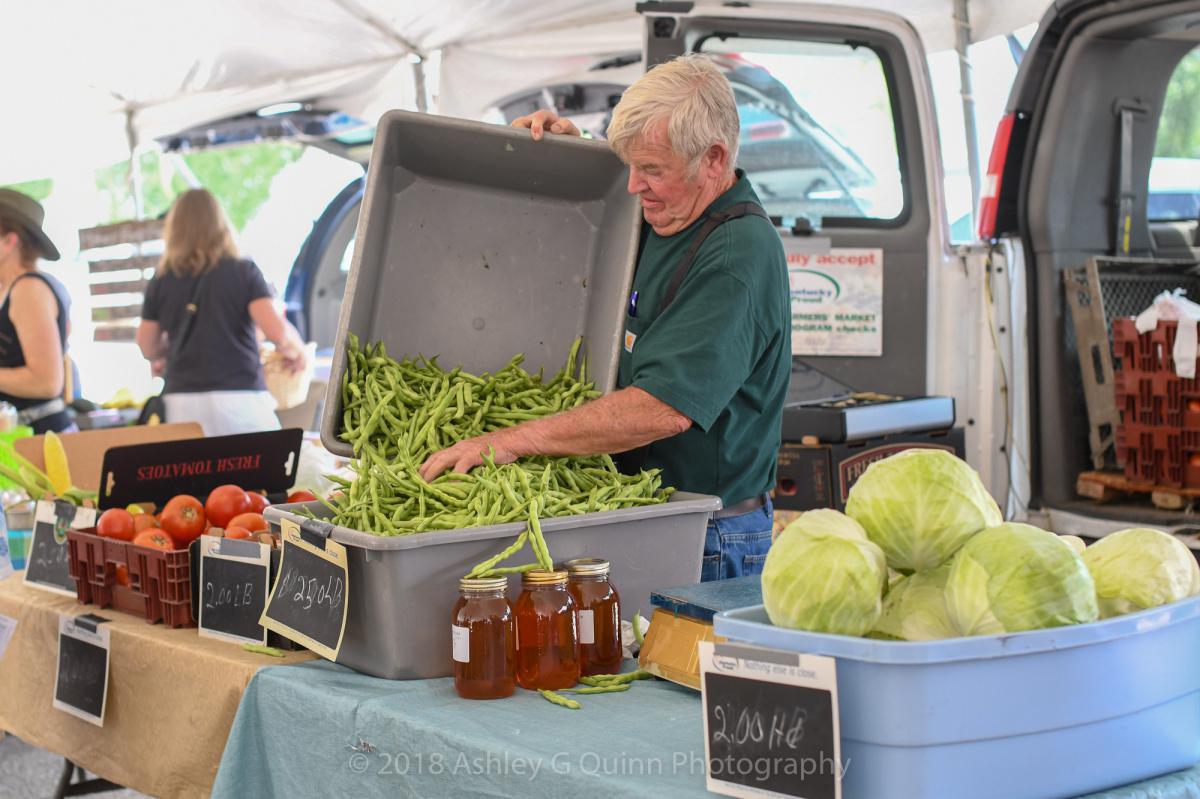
x=462 y=643
x=587 y=627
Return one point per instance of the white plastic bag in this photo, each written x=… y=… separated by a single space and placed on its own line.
x=1174 y=305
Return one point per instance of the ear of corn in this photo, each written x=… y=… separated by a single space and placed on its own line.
x=57 y=468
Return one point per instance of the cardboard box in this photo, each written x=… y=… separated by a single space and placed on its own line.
x=683 y=617
x=820 y=476
x=85 y=450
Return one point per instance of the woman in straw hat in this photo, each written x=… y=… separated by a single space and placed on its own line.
x=33 y=318
x=200 y=320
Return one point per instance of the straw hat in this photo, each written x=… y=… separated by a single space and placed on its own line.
x=29 y=213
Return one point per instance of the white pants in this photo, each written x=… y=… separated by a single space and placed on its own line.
x=224 y=413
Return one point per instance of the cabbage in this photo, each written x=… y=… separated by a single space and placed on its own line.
x=920 y=506
x=823 y=575
x=1077 y=543
x=1015 y=577
x=826 y=522
x=915 y=608
x=1141 y=568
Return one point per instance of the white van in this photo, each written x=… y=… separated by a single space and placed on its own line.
x=841 y=142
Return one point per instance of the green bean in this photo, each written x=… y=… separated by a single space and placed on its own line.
x=525 y=567
x=598 y=689
x=637 y=628
x=259 y=649
x=512 y=549
x=557 y=699
x=535 y=528
x=616 y=679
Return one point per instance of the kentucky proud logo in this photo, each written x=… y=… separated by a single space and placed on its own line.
x=813 y=287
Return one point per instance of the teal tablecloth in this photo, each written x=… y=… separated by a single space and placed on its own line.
x=320 y=729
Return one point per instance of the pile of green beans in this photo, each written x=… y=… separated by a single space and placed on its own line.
x=397 y=413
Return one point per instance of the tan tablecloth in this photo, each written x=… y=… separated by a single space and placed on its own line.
x=172 y=695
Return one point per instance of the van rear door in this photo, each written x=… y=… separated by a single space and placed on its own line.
x=839 y=140
x=1089 y=99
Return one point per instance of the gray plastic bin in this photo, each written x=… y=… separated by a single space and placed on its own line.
x=403 y=588
x=476 y=243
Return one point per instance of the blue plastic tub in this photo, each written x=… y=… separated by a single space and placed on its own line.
x=1036 y=715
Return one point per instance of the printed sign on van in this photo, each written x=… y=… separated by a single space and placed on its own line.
x=837 y=302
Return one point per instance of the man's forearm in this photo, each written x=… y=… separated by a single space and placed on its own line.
x=621 y=421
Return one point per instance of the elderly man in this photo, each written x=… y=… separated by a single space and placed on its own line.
x=707 y=352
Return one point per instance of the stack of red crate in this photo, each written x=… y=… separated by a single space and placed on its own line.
x=1158 y=440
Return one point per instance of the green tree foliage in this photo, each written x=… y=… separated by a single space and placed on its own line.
x=240 y=177
x=37 y=189
x=1179 y=126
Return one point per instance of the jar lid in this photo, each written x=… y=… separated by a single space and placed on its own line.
x=587 y=567
x=483 y=583
x=540 y=577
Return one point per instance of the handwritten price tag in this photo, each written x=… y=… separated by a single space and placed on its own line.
x=770 y=722
x=308 y=602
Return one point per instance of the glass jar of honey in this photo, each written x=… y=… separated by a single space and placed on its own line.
x=547 y=638
x=599 y=609
x=484 y=636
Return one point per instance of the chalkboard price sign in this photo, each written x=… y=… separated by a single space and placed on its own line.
x=309 y=600
x=48 y=563
x=770 y=722
x=81 y=681
x=234 y=576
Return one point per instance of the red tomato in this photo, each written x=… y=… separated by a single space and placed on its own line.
x=116 y=523
x=258 y=502
x=122 y=575
x=224 y=503
x=233 y=531
x=254 y=522
x=143 y=520
x=155 y=539
x=303 y=495
x=183 y=519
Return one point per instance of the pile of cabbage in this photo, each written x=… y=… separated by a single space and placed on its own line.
x=922 y=553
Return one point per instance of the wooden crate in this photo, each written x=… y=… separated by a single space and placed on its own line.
x=117 y=320
x=1110 y=486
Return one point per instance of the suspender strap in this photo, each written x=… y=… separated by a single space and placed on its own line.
x=711 y=223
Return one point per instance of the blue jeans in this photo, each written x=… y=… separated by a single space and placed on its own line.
x=737 y=546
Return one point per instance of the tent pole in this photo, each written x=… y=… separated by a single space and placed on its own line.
x=418 y=67
x=135 y=172
x=962 y=41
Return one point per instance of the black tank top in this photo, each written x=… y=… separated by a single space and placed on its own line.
x=11 y=354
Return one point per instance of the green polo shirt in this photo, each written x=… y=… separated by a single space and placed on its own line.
x=720 y=354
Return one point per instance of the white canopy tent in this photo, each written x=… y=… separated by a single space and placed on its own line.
x=84 y=81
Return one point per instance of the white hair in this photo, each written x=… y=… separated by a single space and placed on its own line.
x=695 y=99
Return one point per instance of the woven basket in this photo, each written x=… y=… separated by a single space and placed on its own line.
x=289 y=389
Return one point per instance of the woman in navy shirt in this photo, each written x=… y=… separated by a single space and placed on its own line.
x=200 y=322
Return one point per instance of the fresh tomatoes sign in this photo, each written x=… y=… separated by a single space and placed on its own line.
x=217 y=468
